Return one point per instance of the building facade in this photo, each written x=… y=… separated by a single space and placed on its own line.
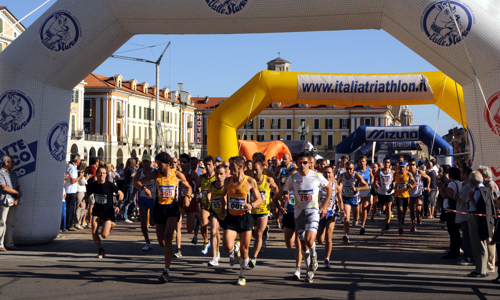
x=10 y=28
x=114 y=119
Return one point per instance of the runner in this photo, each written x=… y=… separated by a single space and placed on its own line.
x=194 y=181
x=351 y=183
x=260 y=214
x=341 y=168
x=365 y=196
x=239 y=188
x=206 y=180
x=283 y=172
x=383 y=185
x=103 y=210
x=306 y=185
x=146 y=204
x=286 y=206
x=416 y=193
x=403 y=181
x=322 y=163
x=329 y=220
x=373 y=191
x=214 y=196
x=166 y=211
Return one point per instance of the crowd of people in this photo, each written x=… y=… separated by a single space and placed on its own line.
x=304 y=196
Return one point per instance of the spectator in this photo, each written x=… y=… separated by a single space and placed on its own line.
x=119 y=171
x=80 y=195
x=490 y=184
x=430 y=195
x=480 y=228
x=71 y=187
x=128 y=188
x=453 y=189
x=463 y=219
x=111 y=174
x=10 y=197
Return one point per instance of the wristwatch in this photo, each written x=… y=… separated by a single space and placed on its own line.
x=253 y=205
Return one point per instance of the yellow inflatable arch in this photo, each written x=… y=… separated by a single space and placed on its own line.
x=328 y=89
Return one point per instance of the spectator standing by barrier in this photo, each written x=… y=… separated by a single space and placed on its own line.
x=463 y=219
x=10 y=195
x=80 y=195
x=71 y=187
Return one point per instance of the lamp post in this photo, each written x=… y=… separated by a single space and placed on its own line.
x=183 y=99
x=303 y=131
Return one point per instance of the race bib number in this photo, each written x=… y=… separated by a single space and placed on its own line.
x=101 y=199
x=322 y=201
x=184 y=192
x=204 y=193
x=385 y=180
x=292 y=199
x=215 y=203
x=347 y=190
x=262 y=194
x=166 y=191
x=401 y=186
x=305 y=195
x=236 y=203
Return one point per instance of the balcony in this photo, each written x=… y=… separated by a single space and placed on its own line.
x=190 y=125
x=329 y=147
x=185 y=145
x=99 y=138
x=192 y=146
x=148 y=142
x=120 y=114
x=90 y=137
x=123 y=140
x=136 y=141
x=76 y=134
x=87 y=113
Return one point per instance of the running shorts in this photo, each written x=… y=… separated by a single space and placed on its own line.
x=385 y=198
x=402 y=202
x=352 y=201
x=104 y=214
x=288 y=221
x=147 y=202
x=327 y=218
x=259 y=216
x=239 y=224
x=307 y=220
x=415 y=198
x=363 y=194
x=162 y=212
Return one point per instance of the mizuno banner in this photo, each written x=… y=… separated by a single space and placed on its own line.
x=392 y=134
x=377 y=87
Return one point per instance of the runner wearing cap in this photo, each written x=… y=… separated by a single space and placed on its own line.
x=218 y=161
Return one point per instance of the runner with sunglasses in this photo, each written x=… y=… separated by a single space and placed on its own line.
x=351 y=183
x=306 y=185
x=416 y=193
x=384 y=189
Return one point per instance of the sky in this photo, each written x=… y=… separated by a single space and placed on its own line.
x=218 y=65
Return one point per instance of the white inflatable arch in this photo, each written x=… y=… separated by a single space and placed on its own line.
x=40 y=68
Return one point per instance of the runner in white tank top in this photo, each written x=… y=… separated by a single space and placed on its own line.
x=384 y=189
x=416 y=193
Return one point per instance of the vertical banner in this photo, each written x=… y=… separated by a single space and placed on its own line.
x=199 y=128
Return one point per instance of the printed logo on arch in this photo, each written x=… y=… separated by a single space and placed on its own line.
x=57 y=141
x=16 y=111
x=491 y=113
x=438 y=23
x=227 y=7
x=60 y=31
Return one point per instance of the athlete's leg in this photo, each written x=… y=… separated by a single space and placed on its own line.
x=204 y=224
x=95 y=231
x=320 y=237
x=298 y=249
x=245 y=239
x=169 y=231
x=365 y=206
x=309 y=238
x=106 y=229
x=330 y=226
x=418 y=206
x=190 y=222
x=214 y=232
x=374 y=206
x=178 y=229
x=228 y=240
x=160 y=234
x=261 y=226
x=400 y=212
x=144 y=215
x=289 y=237
x=355 y=212
x=347 y=209
x=412 y=211
x=388 y=212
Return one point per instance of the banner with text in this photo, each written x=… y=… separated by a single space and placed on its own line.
x=369 y=88
x=199 y=128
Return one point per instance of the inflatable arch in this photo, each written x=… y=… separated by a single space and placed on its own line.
x=42 y=66
x=396 y=134
x=367 y=149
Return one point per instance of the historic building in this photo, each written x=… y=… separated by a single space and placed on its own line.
x=10 y=28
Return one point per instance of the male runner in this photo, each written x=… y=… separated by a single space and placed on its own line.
x=403 y=181
x=103 y=211
x=385 y=192
x=375 y=205
x=286 y=206
x=322 y=163
x=146 y=204
x=341 y=168
x=260 y=214
x=283 y=171
x=190 y=211
x=351 y=183
x=328 y=222
x=206 y=180
x=365 y=195
x=238 y=189
x=166 y=211
x=416 y=193
x=214 y=196
x=306 y=185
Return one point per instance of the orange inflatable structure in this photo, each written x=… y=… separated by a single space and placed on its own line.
x=270 y=149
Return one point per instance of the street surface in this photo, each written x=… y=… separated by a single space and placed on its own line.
x=378 y=265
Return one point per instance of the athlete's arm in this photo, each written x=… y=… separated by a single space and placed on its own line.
x=412 y=181
x=197 y=180
x=139 y=184
x=271 y=174
x=339 y=181
x=324 y=209
x=223 y=203
x=374 y=182
x=338 y=197
x=363 y=186
x=277 y=200
x=254 y=189
x=182 y=179
x=136 y=176
x=272 y=183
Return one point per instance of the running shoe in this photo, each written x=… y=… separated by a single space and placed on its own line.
x=242 y=281
x=163 y=278
x=178 y=254
x=310 y=276
x=346 y=240
x=101 y=254
x=314 y=262
x=252 y=263
x=413 y=229
x=213 y=262
x=128 y=221
x=356 y=224
x=419 y=220
x=369 y=209
x=296 y=275
x=206 y=246
x=218 y=255
x=194 y=241
x=362 y=230
x=327 y=264
x=265 y=235
x=232 y=260
x=401 y=231
x=386 y=227
x=147 y=247
x=237 y=250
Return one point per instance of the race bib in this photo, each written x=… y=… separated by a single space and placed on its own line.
x=305 y=195
x=322 y=201
x=401 y=186
x=236 y=203
x=292 y=199
x=204 y=193
x=385 y=180
x=166 y=191
x=215 y=203
x=101 y=199
x=262 y=194
x=347 y=190
x=184 y=192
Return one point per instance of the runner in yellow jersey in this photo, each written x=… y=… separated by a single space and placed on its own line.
x=166 y=210
x=261 y=213
x=239 y=188
x=214 y=196
x=403 y=181
x=206 y=180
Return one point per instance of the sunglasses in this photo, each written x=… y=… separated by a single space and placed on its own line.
x=302 y=162
x=348 y=168
x=412 y=164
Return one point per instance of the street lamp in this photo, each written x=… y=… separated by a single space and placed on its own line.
x=183 y=101
x=303 y=131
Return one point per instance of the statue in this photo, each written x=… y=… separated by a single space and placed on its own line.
x=406 y=116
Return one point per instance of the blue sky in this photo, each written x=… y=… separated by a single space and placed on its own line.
x=218 y=65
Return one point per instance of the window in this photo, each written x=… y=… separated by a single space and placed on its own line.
x=328 y=123
x=146 y=113
x=1 y=26
x=272 y=137
x=316 y=123
x=344 y=124
x=140 y=112
x=344 y=136
x=261 y=138
x=302 y=122
x=133 y=112
x=75 y=97
x=330 y=140
x=153 y=116
x=368 y=122
x=87 y=126
x=118 y=106
x=275 y=123
x=302 y=137
x=73 y=125
x=87 y=108
x=288 y=123
x=251 y=137
x=316 y=140
x=278 y=137
x=139 y=131
x=262 y=123
x=288 y=137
